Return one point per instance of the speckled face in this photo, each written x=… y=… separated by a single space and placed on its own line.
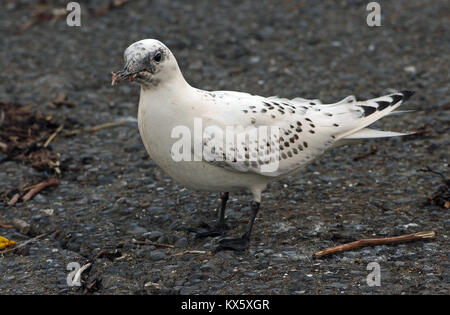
x=143 y=61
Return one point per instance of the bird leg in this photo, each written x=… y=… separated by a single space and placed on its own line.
x=220 y=227
x=240 y=243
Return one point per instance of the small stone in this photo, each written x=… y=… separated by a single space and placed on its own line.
x=137 y=230
x=153 y=235
x=181 y=242
x=157 y=255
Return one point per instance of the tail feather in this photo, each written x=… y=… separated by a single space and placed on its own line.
x=399 y=112
x=373 y=110
x=368 y=133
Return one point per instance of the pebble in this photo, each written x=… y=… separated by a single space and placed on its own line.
x=153 y=235
x=157 y=255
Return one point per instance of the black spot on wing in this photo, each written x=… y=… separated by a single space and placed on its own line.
x=382 y=105
x=396 y=98
x=368 y=110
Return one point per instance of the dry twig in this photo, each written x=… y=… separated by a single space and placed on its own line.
x=153 y=284
x=6 y=226
x=37 y=188
x=3 y=147
x=24 y=243
x=43 y=12
x=374 y=242
x=112 y=4
x=153 y=244
x=202 y=252
x=373 y=150
x=61 y=100
x=14 y=200
x=52 y=136
x=95 y=128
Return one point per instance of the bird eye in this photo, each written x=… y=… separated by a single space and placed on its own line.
x=157 y=57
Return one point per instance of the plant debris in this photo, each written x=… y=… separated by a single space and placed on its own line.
x=23 y=135
x=112 y=4
x=25 y=138
x=110 y=254
x=37 y=188
x=374 y=242
x=201 y=252
x=27 y=192
x=61 y=100
x=46 y=12
x=373 y=151
x=94 y=128
x=6 y=226
x=420 y=133
x=441 y=197
x=24 y=243
x=14 y=199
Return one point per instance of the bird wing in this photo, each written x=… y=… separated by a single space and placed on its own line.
x=273 y=136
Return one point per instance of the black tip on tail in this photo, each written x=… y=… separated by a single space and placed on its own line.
x=407 y=94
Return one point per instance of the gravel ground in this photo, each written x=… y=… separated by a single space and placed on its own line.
x=110 y=190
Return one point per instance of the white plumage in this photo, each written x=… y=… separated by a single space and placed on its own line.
x=307 y=127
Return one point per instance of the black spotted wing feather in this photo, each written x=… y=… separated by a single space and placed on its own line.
x=306 y=128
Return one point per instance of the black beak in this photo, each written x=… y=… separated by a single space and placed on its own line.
x=123 y=75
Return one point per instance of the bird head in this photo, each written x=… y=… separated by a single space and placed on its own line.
x=148 y=62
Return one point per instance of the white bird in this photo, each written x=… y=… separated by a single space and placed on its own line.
x=306 y=129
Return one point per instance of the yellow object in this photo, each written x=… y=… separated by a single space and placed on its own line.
x=4 y=242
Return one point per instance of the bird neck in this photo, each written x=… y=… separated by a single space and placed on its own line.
x=168 y=94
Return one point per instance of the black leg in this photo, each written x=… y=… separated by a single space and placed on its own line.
x=220 y=227
x=224 y=198
x=242 y=242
